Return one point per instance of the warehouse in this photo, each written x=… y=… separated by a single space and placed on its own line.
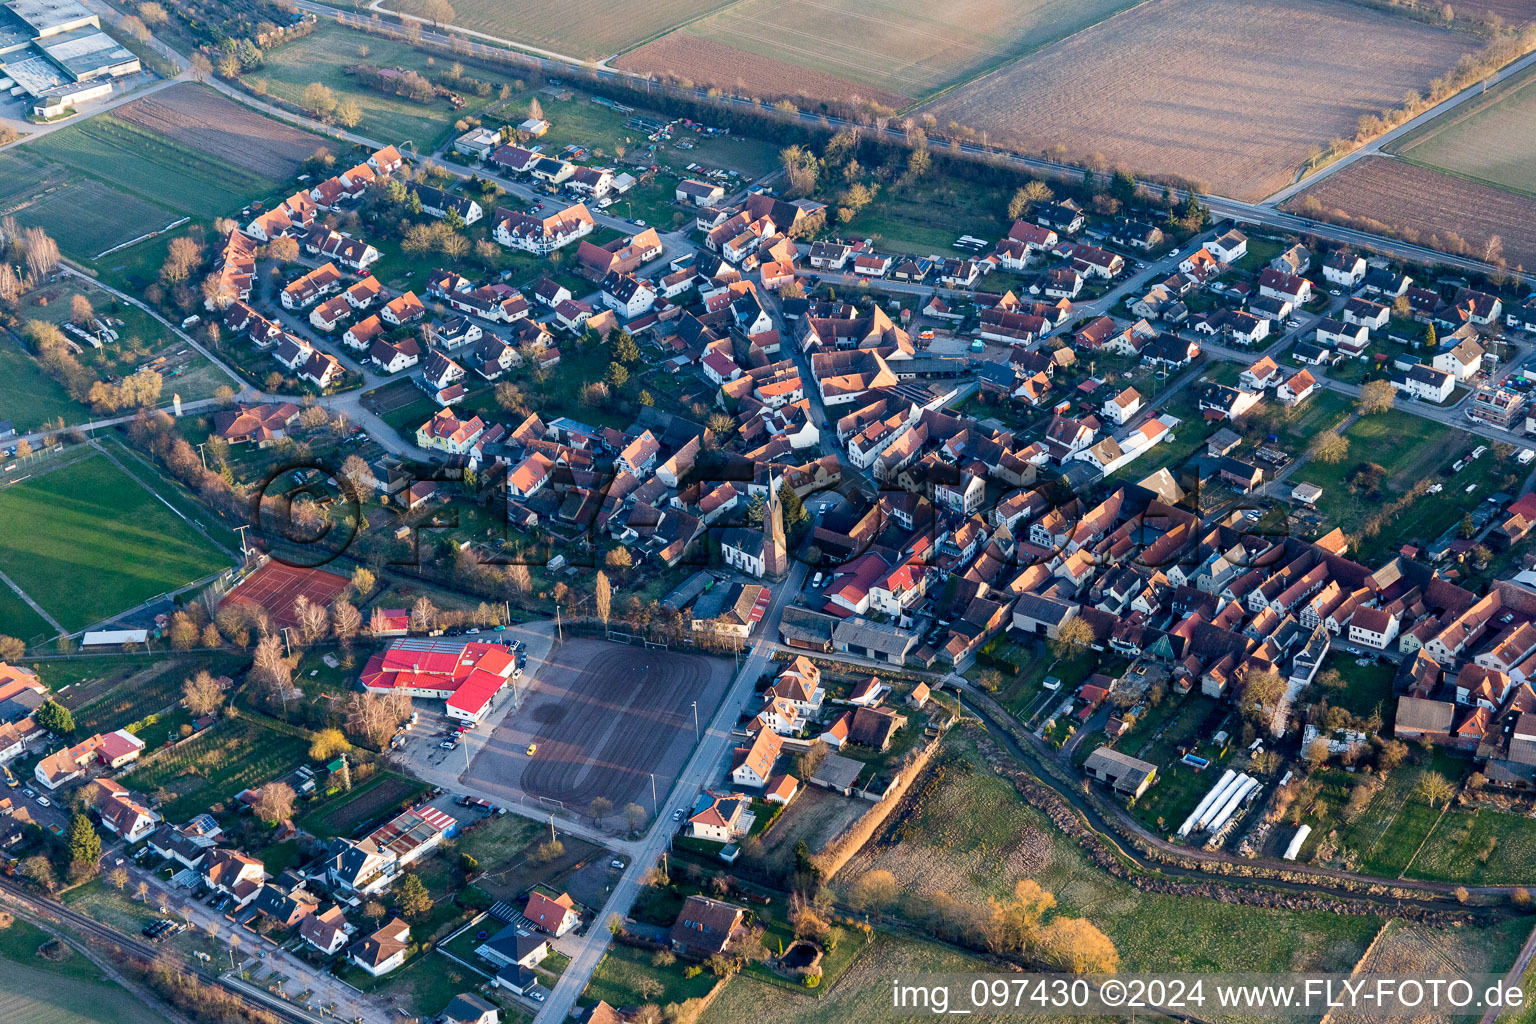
x=54 y=55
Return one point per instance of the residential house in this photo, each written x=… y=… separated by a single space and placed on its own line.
x=704 y=927
x=555 y=916
x=383 y=951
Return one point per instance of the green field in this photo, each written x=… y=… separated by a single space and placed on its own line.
x=1488 y=138
x=234 y=755
x=973 y=837
x=907 y=47
x=925 y=220
x=579 y=28
x=344 y=814
x=146 y=163
x=28 y=396
x=83 y=214
x=34 y=990
x=621 y=969
x=1410 y=449
x=1480 y=847
x=323 y=55
x=87 y=541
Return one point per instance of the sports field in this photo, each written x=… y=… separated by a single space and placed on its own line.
x=1491 y=138
x=34 y=990
x=87 y=541
x=588 y=29
x=604 y=716
x=275 y=587
x=1188 y=87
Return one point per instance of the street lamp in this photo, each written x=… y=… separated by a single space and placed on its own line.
x=655 y=804
x=695 y=721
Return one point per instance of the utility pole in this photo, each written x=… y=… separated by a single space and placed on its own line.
x=552 y=826
x=655 y=805
x=695 y=721
x=560 y=630
x=203 y=454
x=241 y=531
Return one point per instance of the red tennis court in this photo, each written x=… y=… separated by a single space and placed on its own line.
x=275 y=586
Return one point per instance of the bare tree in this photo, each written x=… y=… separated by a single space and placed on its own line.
x=274 y=802
x=202 y=694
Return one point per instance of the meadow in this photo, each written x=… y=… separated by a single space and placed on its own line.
x=1480 y=847
x=1491 y=138
x=1410 y=449
x=324 y=56
x=28 y=396
x=1188 y=87
x=35 y=990
x=588 y=29
x=973 y=837
x=90 y=520
x=1425 y=951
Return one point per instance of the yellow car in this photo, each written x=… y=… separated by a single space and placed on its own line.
x=533 y=748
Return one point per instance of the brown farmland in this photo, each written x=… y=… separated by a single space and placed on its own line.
x=706 y=63
x=1231 y=93
x=199 y=118
x=1425 y=206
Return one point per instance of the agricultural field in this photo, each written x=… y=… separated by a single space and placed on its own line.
x=587 y=29
x=1425 y=206
x=92 y=519
x=1488 y=138
x=84 y=215
x=197 y=118
x=209 y=770
x=367 y=802
x=973 y=837
x=162 y=169
x=1187 y=87
x=70 y=990
x=890 y=49
x=1425 y=951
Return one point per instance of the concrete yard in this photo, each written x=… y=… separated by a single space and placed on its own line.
x=604 y=716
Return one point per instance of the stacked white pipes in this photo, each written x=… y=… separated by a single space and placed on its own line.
x=1228 y=807
x=1216 y=793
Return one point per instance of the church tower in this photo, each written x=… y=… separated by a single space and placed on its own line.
x=775 y=549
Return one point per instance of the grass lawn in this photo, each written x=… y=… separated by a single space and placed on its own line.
x=18 y=619
x=35 y=990
x=1366 y=689
x=621 y=970
x=971 y=835
x=28 y=396
x=1479 y=847
x=235 y=754
x=926 y=219
x=90 y=521
x=323 y=56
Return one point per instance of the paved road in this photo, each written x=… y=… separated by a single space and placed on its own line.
x=703 y=767
x=1374 y=147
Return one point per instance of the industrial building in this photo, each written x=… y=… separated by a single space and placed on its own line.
x=54 y=55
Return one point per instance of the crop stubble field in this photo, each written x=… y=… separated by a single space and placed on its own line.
x=1402 y=195
x=1191 y=87
x=580 y=28
x=901 y=48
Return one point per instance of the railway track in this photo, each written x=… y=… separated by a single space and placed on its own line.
x=144 y=951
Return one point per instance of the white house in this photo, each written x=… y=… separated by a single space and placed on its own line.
x=1344 y=268
x=1426 y=383
x=384 y=950
x=1461 y=362
x=1230 y=247
x=752 y=766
